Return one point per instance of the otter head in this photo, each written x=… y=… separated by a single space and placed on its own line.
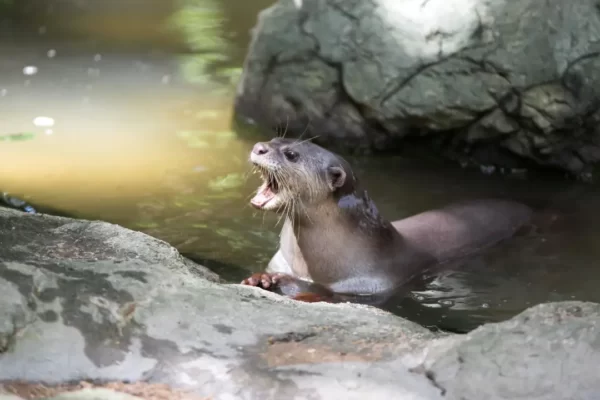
x=298 y=173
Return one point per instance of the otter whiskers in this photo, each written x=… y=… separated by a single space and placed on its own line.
x=299 y=142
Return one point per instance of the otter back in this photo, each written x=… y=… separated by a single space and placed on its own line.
x=462 y=228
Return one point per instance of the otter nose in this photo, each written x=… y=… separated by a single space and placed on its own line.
x=260 y=149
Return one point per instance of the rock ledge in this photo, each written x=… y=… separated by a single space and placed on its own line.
x=91 y=301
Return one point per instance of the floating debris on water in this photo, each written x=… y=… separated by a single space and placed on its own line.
x=17 y=203
x=43 y=121
x=30 y=70
x=17 y=137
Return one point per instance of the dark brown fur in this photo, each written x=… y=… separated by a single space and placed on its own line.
x=334 y=240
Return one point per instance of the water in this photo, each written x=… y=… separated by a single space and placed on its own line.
x=127 y=125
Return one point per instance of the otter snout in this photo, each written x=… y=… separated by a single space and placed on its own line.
x=262 y=155
x=260 y=149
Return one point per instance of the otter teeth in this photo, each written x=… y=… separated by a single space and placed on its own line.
x=269 y=180
x=272 y=184
x=267 y=192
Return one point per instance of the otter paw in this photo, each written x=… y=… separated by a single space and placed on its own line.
x=263 y=279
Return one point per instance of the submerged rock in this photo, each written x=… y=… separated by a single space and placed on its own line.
x=499 y=81
x=92 y=301
x=16 y=203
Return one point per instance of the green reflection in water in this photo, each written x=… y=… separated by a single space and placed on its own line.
x=207 y=211
x=201 y=23
x=17 y=137
x=202 y=139
x=228 y=182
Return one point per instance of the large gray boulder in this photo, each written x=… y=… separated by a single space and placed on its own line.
x=84 y=300
x=487 y=81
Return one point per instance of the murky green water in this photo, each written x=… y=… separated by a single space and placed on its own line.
x=103 y=118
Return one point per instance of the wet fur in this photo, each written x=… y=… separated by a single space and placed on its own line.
x=334 y=236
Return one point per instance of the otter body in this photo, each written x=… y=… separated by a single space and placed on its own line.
x=334 y=239
x=373 y=258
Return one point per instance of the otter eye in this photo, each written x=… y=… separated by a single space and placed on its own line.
x=290 y=155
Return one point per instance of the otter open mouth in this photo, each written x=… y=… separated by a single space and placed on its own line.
x=266 y=192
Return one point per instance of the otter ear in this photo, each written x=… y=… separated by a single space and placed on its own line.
x=336 y=177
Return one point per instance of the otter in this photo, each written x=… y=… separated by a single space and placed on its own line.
x=335 y=243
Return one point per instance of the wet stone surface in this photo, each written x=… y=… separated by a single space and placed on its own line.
x=83 y=300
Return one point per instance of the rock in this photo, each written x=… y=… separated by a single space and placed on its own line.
x=9 y=397
x=94 y=394
x=106 y=390
x=547 y=352
x=90 y=301
x=521 y=75
x=16 y=203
